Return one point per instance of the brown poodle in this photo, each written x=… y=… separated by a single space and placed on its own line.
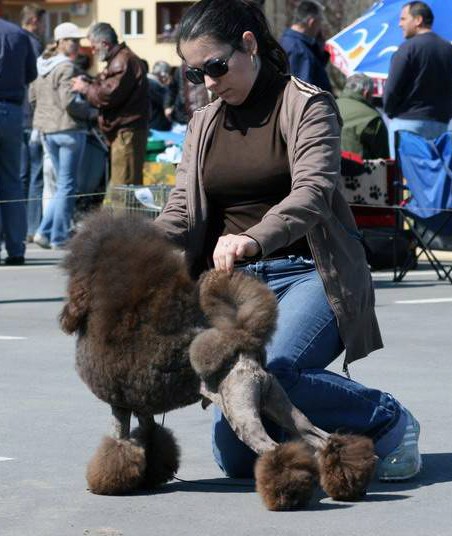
x=150 y=339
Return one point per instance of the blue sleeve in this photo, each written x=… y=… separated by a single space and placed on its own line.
x=300 y=65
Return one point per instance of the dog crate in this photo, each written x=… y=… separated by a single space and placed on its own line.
x=148 y=200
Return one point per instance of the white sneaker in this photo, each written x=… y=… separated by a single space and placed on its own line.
x=404 y=461
x=42 y=241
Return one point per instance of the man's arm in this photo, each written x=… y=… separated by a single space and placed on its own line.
x=111 y=90
x=30 y=62
x=171 y=94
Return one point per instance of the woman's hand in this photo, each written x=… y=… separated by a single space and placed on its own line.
x=231 y=248
x=168 y=112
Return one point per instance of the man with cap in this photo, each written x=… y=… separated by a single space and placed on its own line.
x=17 y=70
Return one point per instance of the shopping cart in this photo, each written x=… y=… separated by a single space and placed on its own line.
x=148 y=200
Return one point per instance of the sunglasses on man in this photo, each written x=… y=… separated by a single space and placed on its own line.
x=214 y=68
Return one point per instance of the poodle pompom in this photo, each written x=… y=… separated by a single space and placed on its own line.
x=347 y=464
x=162 y=454
x=117 y=467
x=286 y=476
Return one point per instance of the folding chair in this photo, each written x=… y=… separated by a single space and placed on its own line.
x=426 y=168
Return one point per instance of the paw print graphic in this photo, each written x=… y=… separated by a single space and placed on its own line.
x=351 y=183
x=375 y=192
x=359 y=200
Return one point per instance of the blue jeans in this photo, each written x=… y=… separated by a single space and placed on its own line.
x=25 y=161
x=425 y=128
x=12 y=215
x=305 y=342
x=33 y=166
x=66 y=151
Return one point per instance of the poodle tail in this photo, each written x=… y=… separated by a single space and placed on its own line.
x=240 y=302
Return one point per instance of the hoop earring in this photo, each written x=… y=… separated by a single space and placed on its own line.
x=254 y=61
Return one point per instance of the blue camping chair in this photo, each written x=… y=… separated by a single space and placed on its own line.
x=426 y=166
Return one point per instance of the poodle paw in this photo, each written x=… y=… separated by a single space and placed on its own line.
x=162 y=454
x=117 y=467
x=347 y=464
x=286 y=476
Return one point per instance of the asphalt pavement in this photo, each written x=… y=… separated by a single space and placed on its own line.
x=50 y=424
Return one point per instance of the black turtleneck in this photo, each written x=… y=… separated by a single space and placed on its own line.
x=247 y=168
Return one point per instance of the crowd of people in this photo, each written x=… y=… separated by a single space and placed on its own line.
x=287 y=223
x=51 y=110
x=64 y=104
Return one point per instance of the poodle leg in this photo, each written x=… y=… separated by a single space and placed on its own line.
x=119 y=464
x=146 y=422
x=162 y=451
x=278 y=407
x=239 y=398
x=346 y=462
x=120 y=422
x=285 y=474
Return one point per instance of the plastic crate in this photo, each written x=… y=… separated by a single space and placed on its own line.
x=148 y=200
x=153 y=148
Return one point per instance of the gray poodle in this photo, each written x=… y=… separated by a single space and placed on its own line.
x=150 y=340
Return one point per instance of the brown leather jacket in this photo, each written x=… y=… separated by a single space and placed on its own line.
x=311 y=125
x=120 y=91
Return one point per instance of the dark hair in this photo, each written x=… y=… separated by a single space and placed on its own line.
x=145 y=65
x=306 y=9
x=360 y=83
x=161 y=67
x=82 y=62
x=29 y=11
x=421 y=9
x=226 y=21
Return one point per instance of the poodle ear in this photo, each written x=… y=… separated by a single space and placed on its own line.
x=70 y=319
x=75 y=311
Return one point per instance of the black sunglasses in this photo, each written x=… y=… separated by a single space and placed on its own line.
x=214 y=68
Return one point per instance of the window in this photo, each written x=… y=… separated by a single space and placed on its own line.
x=53 y=18
x=169 y=15
x=132 y=22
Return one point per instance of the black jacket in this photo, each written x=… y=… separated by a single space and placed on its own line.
x=419 y=84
